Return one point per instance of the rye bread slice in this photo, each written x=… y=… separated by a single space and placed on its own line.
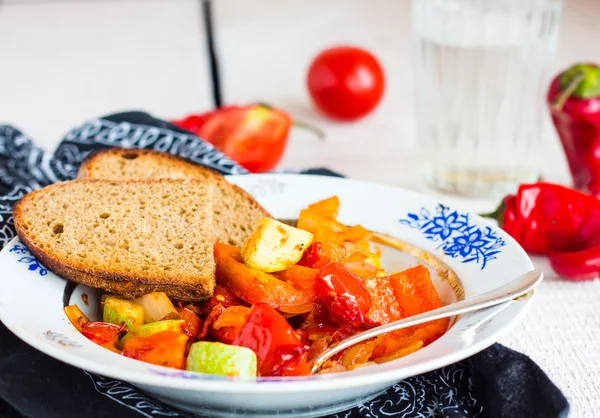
x=236 y=212
x=129 y=238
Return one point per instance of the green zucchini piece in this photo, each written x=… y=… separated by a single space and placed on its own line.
x=223 y=359
x=120 y=311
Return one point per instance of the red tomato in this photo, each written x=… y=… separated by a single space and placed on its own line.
x=255 y=136
x=192 y=325
x=345 y=82
x=101 y=332
x=319 y=254
x=344 y=295
x=223 y=297
x=278 y=347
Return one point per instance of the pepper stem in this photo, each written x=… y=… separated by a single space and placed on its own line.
x=307 y=126
x=497 y=214
x=300 y=124
x=560 y=100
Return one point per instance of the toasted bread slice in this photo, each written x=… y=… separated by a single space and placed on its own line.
x=236 y=212
x=129 y=238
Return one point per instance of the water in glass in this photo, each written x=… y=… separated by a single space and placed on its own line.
x=482 y=67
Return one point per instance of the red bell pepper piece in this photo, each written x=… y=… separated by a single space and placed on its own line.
x=279 y=349
x=343 y=294
x=546 y=217
x=574 y=101
x=255 y=136
x=101 y=333
x=555 y=220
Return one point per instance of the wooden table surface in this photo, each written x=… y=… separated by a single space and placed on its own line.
x=64 y=62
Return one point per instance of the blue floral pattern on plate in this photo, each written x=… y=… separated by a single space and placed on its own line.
x=458 y=237
x=28 y=258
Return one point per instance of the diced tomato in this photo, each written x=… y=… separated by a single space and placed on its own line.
x=165 y=348
x=192 y=324
x=254 y=286
x=274 y=341
x=319 y=254
x=101 y=333
x=344 y=295
x=210 y=320
x=223 y=297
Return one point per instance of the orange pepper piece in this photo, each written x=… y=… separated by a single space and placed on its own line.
x=327 y=207
x=165 y=348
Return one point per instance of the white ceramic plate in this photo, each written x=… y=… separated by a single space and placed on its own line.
x=483 y=257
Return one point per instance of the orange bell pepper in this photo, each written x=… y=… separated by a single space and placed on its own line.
x=328 y=207
x=385 y=307
x=165 y=348
x=416 y=294
x=255 y=286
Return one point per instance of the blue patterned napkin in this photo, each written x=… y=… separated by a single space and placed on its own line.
x=497 y=382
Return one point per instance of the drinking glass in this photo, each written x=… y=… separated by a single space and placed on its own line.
x=482 y=69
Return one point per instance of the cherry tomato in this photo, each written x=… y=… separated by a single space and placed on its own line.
x=344 y=295
x=345 y=82
x=165 y=348
x=319 y=254
x=255 y=136
x=101 y=333
x=192 y=325
x=223 y=297
x=278 y=347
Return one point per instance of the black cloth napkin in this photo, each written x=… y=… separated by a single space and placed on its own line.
x=497 y=382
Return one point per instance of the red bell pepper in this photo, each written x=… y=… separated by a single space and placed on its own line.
x=278 y=347
x=255 y=136
x=555 y=220
x=574 y=100
x=102 y=333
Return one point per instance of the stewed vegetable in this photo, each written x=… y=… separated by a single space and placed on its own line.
x=281 y=299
